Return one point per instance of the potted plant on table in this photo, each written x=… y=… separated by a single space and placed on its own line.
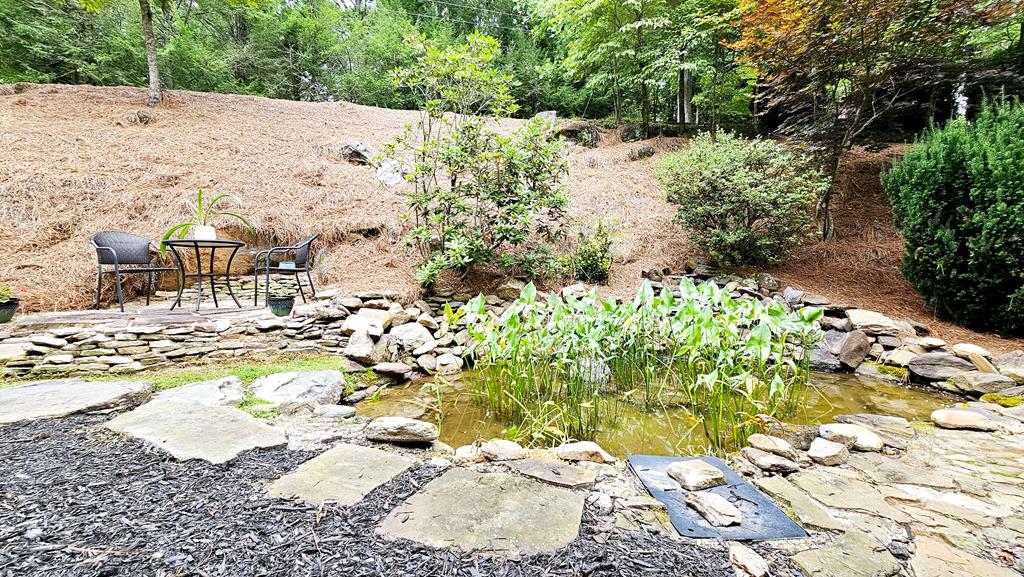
x=8 y=303
x=203 y=214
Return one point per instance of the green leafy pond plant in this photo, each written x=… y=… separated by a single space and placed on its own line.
x=558 y=368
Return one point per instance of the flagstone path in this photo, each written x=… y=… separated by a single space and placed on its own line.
x=342 y=475
x=49 y=399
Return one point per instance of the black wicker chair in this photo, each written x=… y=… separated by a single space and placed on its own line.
x=129 y=254
x=301 y=251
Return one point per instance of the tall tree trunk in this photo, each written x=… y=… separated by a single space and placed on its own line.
x=645 y=105
x=686 y=95
x=617 y=96
x=167 y=30
x=154 y=72
x=823 y=210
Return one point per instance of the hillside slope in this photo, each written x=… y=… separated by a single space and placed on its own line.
x=74 y=160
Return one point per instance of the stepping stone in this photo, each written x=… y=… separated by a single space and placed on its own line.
x=194 y=431
x=806 y=510
x=214 y=393
x=555 y=472
x=494 y=513
x=317 y=387
x=344 y=475
x=60 y=398
x=856 y=554
x=935 y=558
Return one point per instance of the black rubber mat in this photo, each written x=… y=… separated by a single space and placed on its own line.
x=762 y=520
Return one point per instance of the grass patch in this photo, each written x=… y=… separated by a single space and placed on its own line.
x=245 y=369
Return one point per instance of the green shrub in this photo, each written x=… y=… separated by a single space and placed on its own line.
x=744 y=202
x=592 y=259
x=958 y=199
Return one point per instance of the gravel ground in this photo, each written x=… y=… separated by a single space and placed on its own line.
x=77 y=500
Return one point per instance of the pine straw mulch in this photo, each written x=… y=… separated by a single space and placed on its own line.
x=75 y=500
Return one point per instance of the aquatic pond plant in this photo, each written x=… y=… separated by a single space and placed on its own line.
x=561 y=367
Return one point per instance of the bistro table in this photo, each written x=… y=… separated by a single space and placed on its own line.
x=179 y=246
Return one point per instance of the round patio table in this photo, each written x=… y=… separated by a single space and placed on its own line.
x=180 y=246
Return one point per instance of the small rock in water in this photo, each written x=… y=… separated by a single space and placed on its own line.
x=746 y=561
x=502 y=450
x=582 y=451
x=716 y=509
x=774 y=445
x=828 y=453
x=769 y=462
x=334 y=411
x=854 y=436
x=401 y=430
x=696 y=474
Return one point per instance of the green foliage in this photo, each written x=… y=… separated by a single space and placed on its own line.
x=205 y=213
x=744 y=202
x=592 y=259
x=958 y=199
x=544 y=364
x=475 y=192
x=5 y=292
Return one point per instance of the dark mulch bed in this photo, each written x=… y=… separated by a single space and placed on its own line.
x=76 y=500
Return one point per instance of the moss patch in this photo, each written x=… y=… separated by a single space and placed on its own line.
x=1003 y=400
x=898 y=372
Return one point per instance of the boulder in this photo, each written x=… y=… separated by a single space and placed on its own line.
x=716 y=509
x=317 y=387
x=356 y=152
x=854 y=348
x=978 y=382
x=360 y=347
x=938 y=366
x=899 y=357
x=1012 y=365
x=769 y=462
x=212 y=393
x=412 y=336
x=582 y=451
x=401 y=430
x=502 y=450
x=448 y=364
x=427 y=362
x=695 y=474
x=511 y=289
x=828 y=453
x=775 y=445
x=872 y=323
x=427 y=321
x=384 y=317
x=821 y=359
x=851 y=435
x=362 y=323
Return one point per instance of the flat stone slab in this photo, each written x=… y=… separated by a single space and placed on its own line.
x=344 y=475
x=60 y=398
x=855 y=554
x=488 y=512
x=215 y=392
x=194 y=431
x=317 y=387
x=555 y=473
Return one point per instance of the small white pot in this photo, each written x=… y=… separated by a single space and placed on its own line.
x=204 y=233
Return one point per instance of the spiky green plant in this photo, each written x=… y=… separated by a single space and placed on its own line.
x=732 y=361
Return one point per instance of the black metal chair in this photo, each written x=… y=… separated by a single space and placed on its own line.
x=301 y=263
x=129 y=254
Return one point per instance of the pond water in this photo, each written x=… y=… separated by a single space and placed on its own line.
x=664 y=431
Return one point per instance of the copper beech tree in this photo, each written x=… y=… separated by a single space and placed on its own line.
x=831 y=68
